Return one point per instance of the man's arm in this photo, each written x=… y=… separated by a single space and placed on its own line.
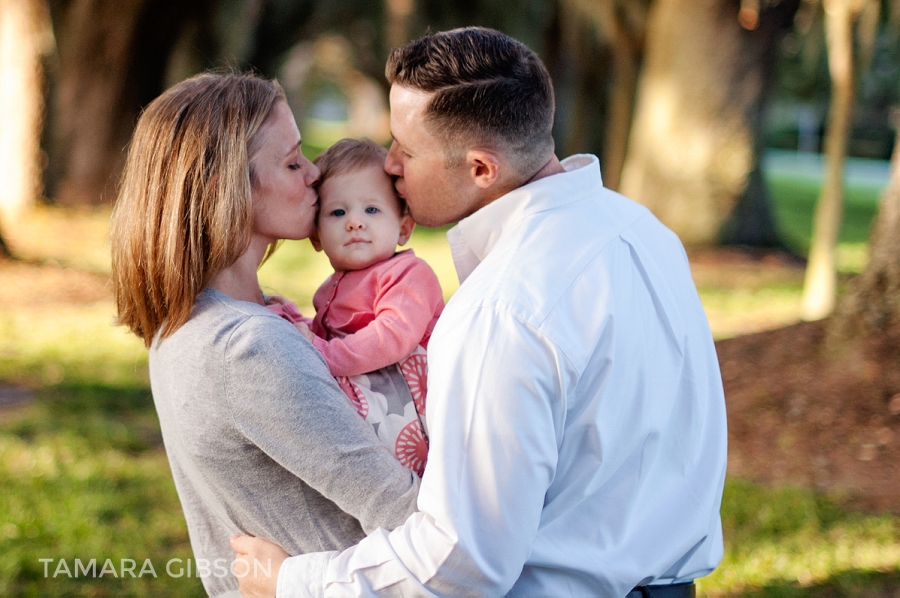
x=495 y=400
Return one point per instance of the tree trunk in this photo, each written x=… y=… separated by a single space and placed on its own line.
x=25 y=39
x=872 y=303
x=820 y=284
x=622 y=26
x=693 y=143
x=397 y=13
x=112 y=60
x=5 y=252
x=95 y=39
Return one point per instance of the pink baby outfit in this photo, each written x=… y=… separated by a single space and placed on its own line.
x=373 y=326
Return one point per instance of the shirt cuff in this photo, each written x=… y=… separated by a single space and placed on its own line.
x=303 y=576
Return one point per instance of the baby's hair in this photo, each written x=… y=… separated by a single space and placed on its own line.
x=348 y=155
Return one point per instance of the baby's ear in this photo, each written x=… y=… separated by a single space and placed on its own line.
x=314 y=240
x=407 y=224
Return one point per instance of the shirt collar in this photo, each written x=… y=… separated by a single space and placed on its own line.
x=476 y=235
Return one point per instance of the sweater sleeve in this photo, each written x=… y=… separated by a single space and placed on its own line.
x=284 y=402
x=407 y=301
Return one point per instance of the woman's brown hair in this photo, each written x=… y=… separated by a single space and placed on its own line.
x=184 y=207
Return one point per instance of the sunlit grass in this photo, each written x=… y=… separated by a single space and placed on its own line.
x=787 y=538
x=85 y=476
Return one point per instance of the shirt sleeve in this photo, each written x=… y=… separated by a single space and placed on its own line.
x=496 y=388
x=408 y=300
x=284 y=401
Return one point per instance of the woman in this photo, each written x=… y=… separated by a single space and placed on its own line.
x=259 y=437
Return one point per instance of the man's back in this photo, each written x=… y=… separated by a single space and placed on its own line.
x=590 y=396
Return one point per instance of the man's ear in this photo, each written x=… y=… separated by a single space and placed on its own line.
x=407 y=225
x=314 y=240
x=484 y=167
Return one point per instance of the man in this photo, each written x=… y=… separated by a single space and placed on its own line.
x=577 y=420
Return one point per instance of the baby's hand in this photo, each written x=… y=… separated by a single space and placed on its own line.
x=273 y=299
x=305 y=331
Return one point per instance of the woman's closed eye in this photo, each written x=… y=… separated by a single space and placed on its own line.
x=295 y=166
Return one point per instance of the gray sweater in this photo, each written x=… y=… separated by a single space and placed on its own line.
x=262 y=441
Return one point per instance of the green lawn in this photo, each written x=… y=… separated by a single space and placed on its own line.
x=84 y=474
x=794 y=181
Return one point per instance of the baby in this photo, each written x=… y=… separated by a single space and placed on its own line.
x=375 y=314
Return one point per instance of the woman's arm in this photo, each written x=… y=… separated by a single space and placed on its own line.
x=284 y=401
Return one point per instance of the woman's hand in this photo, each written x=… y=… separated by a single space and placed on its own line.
x=256 y=566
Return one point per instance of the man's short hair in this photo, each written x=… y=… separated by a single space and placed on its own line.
x=348 y=155
x=487 y=89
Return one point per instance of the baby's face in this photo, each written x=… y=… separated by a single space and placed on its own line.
x=359 y=219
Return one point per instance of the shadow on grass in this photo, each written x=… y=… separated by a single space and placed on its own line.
x=105 y=417
x=847 y=584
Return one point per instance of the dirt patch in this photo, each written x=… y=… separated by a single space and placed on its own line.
x=25 y=283
x=799 y=414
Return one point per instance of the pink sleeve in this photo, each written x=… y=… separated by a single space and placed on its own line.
x=407 y=302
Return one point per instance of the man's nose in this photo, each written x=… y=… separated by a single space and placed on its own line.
x=391 y=164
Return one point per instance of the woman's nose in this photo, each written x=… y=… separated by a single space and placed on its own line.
x=312 y=173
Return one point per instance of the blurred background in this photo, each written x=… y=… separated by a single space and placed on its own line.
x=760 y=131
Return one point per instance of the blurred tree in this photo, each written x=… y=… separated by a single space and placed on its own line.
x=621 y=24
x=841 y=16
x=25 y=39
x=112 y=57
x=694 y=149
x=872 y=304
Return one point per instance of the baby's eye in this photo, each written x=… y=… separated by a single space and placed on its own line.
x=338 y=212
x=371 y=210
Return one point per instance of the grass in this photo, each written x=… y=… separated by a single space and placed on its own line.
x=85 y=475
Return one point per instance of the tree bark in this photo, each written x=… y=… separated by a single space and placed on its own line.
x=820 y=283
x=872 y=303
x=95 y=40
x=25 y=39
x=112 y=59
x=621 y=24
x=694 y=141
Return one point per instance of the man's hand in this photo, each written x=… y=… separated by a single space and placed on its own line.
x=255 y=558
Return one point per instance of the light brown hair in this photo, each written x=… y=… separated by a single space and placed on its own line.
x=487 y=89
x=348 y=155
x=184 y=209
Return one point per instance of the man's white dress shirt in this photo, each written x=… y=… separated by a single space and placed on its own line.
x=578 y=438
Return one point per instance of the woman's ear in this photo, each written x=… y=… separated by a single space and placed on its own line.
x=407 y=225
x=314 y=240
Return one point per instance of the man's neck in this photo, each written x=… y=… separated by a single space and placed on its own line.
x=553 y=166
